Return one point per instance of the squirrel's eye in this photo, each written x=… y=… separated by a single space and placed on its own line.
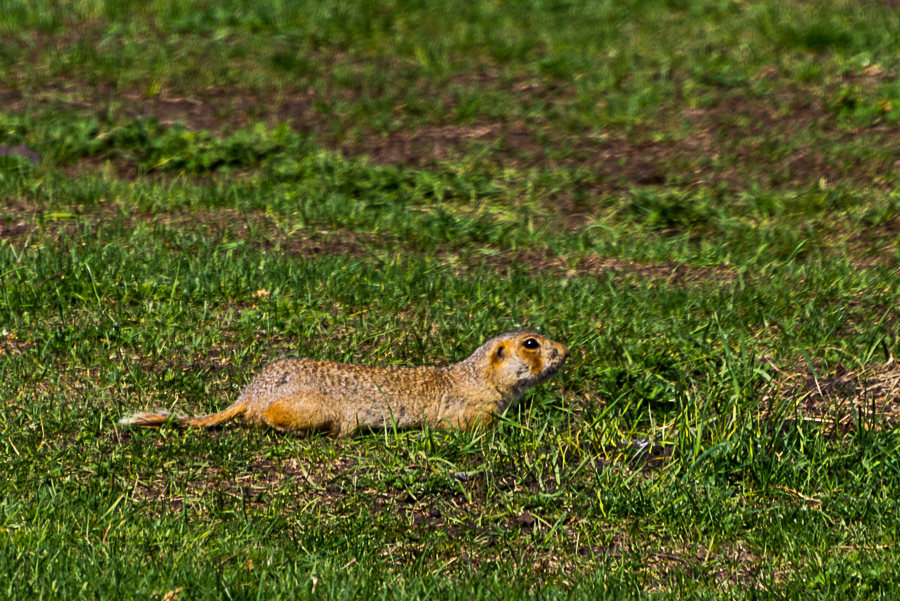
x=531 y=343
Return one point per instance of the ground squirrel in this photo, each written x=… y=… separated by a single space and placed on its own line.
x=302 y=395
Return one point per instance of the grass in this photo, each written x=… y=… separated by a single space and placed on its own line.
x=699 y=198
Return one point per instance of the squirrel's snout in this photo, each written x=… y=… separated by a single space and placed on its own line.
x=560 y=349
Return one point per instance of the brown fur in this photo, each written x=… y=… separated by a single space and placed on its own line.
x=302 y=395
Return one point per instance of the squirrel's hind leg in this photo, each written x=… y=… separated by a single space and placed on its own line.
x=298 y=414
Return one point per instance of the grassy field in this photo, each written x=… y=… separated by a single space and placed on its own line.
x=698 y=197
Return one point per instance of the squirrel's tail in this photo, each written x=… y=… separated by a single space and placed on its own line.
x=158 y=418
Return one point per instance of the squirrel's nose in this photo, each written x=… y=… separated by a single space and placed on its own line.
x=562 y=350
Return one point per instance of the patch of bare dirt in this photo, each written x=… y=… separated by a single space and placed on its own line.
x=215 y=109
x=121 y=168
x=20 y=150
x=736 y=117
x=337 y=244
x=424 y=146
x=885 y=234
x=622 y=163
x=297 y=110
x=743 y=127
x=11 y=230
x=672 y=272
x=189 y=111
x=747 y=128
x=10 y=99
x=476 y=78
x=846 y=399
x=210 y=109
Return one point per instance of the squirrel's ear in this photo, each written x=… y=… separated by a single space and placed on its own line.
x=497 y=355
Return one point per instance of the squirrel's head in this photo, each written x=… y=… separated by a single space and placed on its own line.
x=519 y=360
